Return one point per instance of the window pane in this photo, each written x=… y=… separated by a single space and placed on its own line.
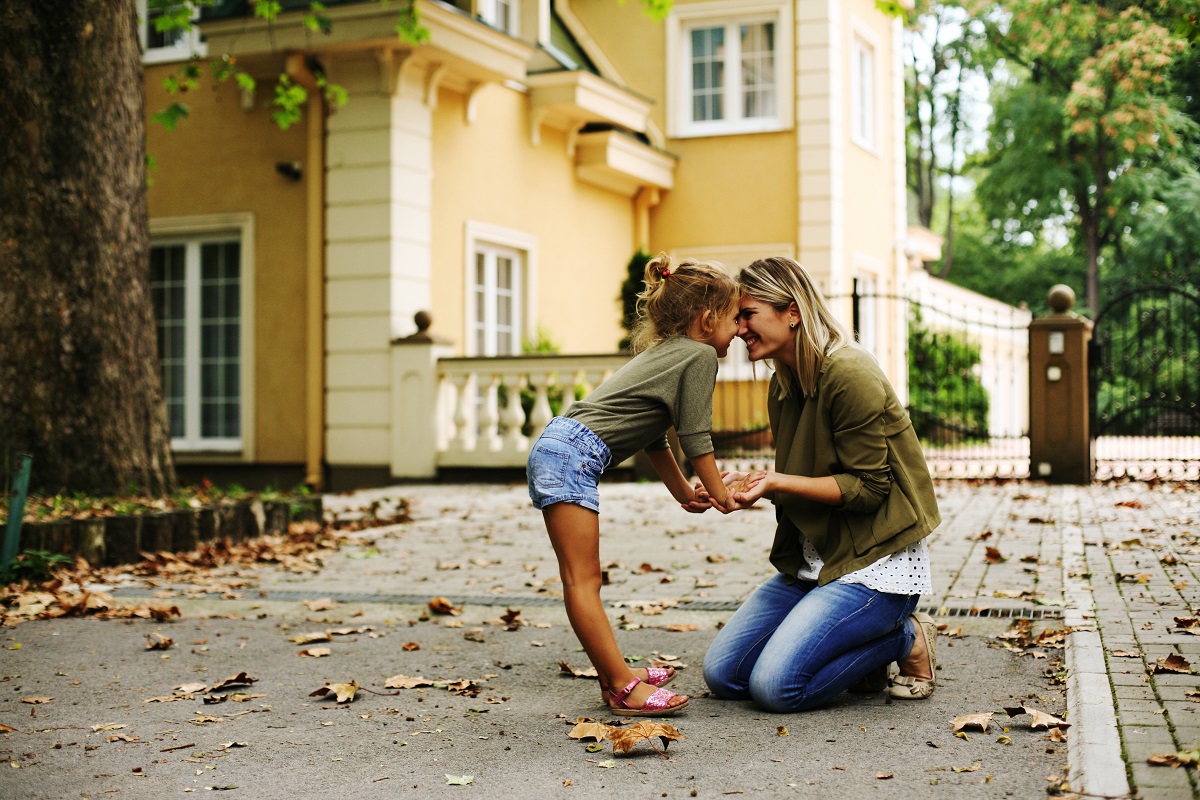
x=167 y=290
x=708 y=73
x=156 y=39
x=758 y=70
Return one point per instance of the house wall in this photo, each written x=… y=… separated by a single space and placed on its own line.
x=221 y=160
x=489 y=171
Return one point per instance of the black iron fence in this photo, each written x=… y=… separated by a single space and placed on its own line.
x=1144 y=375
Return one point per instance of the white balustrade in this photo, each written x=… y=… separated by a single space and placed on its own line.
x=484 y=421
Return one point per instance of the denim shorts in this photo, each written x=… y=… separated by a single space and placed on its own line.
x=565 y=464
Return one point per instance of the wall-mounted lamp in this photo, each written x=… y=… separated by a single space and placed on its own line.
x=292 y=170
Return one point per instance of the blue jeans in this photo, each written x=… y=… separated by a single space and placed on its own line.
x=792 y=647
x=565 y=465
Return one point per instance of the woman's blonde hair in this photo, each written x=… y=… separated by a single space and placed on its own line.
x=779 y=282
x=675 y=294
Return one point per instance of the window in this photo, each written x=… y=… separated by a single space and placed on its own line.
x=500 y=14
x=173 y=45
x=499 y=270
x=730 y=66
x=198 y=289
x=862 y=93
x=495 y=327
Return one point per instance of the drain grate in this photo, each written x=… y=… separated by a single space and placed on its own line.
x=545 y=600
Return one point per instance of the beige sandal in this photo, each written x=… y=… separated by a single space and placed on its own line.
x=906 y=687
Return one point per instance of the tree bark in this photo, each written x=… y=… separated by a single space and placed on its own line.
x=80 y=387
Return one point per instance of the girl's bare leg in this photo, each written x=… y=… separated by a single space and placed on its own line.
x=575 y=534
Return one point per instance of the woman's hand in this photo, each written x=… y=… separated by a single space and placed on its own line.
x=747 y=491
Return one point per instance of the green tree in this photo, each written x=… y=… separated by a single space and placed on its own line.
x=635 y=276
x=939 y=62
x=946 y=399
x=1085 y=113
x=79 y=373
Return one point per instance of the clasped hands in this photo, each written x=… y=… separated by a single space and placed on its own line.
x=743 y=489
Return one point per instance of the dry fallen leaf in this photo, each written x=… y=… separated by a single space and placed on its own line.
x=310 y=638
x=1126 y=654
x=512 y=619
x=883 y=776
x=1173 y=663
x=108 y=726
x=624 y=739
x=315 y=652
x=344 y=692
x=6 y=728
x=1182 y=758
x=440 y=605
x=1040 y=718
x=590 y=730
x=405 y=682
x=156 y=641
x=588 y=672
x=323 y=604
x=992 y=555
x=973 y=768
x=682 y=627
x=410 y=646
x=241 y=679
x=36 y=700
x=980 y=720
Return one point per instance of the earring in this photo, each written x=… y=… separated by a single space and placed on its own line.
x=792 y=326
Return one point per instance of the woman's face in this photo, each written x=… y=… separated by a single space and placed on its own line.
x=767 y=332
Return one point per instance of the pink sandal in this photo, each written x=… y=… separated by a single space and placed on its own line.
x=656 y=705
x=655 y=676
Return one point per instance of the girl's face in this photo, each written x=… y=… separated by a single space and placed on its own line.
x=767 y=332
x=724 y=328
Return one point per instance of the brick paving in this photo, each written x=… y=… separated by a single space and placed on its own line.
x=1118 y=562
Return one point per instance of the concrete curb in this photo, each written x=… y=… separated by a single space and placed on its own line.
x=1093 y=744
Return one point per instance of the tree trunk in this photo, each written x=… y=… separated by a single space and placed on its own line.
x=80 y=387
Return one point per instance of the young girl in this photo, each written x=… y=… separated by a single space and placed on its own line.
x=687 y=316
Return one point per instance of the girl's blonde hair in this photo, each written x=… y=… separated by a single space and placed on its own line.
x=779 y=282
x=675 y=294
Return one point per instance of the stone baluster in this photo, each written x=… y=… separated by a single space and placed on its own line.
x=513 y=415
x=489 y=415
x=540 y=414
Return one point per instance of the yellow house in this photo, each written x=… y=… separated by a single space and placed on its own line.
x=498 y=176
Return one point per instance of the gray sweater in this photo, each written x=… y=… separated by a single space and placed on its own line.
x=669 y=384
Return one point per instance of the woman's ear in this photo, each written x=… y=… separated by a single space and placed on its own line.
x=793 y=314
x=706 y=321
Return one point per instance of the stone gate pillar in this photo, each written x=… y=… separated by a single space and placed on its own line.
x=1060 y=449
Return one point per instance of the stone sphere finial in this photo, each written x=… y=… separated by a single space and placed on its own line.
x=1061 y=297
x=424 y=319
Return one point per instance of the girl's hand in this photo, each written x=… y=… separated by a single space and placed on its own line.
x=700 y=502
x=749 y=489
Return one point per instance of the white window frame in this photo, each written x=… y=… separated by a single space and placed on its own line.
x=483 y=237
x=864 y=88
x=867 y=286
x=192 y=231
x=489 y=12
x=189 y=45
x=681 y=21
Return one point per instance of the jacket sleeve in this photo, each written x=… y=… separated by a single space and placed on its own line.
x=858 y=403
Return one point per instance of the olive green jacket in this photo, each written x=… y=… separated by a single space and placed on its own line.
x=854 y=428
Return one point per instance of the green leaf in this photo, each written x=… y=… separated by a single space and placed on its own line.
x=171 y=116
x=267 y=9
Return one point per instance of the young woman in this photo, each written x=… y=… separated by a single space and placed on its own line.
x=854 y=502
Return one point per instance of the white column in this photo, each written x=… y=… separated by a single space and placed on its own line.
x=378 y=254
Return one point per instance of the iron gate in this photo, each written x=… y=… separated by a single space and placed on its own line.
x=1144 y=381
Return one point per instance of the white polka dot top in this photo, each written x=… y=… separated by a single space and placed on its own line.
x=903 y=572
